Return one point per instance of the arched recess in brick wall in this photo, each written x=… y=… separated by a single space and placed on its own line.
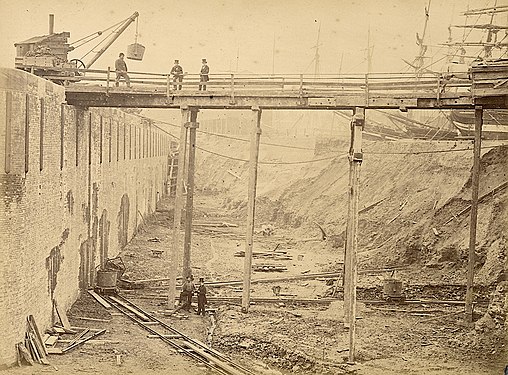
x=123 y=221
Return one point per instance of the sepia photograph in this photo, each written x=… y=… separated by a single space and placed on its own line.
x=254 y=187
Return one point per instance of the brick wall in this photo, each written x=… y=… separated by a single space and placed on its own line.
x=74 y=183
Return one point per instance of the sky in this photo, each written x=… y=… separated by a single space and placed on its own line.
x=254 y=36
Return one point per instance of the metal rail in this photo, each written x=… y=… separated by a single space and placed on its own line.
x=195 y=349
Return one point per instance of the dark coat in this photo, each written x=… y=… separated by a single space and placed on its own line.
x=204 y=73
x=120 y=65
x=177 y=70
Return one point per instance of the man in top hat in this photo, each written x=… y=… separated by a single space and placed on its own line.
x=121 y=70
x=201 y=296
x=203 y=75
x=177 y=72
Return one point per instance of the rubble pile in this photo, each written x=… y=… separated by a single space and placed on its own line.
x=270 y=352
x=495 y=317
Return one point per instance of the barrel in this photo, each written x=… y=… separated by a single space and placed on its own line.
x=135 y=51
x=392 y=288
x=106 y=279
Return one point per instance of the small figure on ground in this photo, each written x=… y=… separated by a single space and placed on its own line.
x=121 y=71
x=201 y=296
x=189 y=289
x=203 y=75
x=177 y=72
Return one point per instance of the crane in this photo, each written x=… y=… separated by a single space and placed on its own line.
x=47 y=55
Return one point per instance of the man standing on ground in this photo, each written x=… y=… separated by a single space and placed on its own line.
x=121 y=70
x=188 y=288
x=201 y=296
x=177 y=72
x=203 y=75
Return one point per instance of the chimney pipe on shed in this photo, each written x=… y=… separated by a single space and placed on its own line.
x=51 y=24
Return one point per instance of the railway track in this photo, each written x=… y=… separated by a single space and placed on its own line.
x=183 y=344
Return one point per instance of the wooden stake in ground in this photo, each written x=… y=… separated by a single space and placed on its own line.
x=475 y=182
x=177 y=215
x=192 y=125
x=355 y=160
x=347 y=259
x=251 y=205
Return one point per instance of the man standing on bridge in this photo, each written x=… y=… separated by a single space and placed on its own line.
x=203 y=75
x=121 y=70
x=177 y=73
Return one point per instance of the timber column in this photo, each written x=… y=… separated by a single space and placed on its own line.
x=177 y=214
x=475 y=184
x=192 y=126
x=355 y=162
x=253 y=176
x=346 y=280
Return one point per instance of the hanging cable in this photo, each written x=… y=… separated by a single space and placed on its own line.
x=118 y=26
x=269 y=162
x=136 y=35
x=95 y=35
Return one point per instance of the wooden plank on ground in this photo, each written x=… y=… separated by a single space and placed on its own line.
x=91 y=319
x=55 y=351
x=24 y=353
x=79 y=336
x=62 y=315
x=29 y=343
x=165 y=336
x=80 y=342
x=131 y=309
x=99 y=299
x=37 y=339
x=51 y=340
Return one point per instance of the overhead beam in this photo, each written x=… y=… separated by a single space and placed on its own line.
x=267 y=101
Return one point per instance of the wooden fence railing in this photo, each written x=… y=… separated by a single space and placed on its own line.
x=369 y=85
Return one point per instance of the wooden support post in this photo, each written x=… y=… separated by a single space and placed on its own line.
x=347 y=258
x=107 y=81
x=355 y=160
x=232 y=86
x=474 y=211
x=192 y=125
x=177 y=215
x=251 y=205
x=168 y=86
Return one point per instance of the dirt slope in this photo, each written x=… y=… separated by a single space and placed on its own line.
x=420 y=190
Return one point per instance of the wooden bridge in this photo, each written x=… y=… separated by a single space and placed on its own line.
x=486 y=86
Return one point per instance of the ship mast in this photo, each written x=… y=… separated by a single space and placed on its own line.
x=316 y=56
x=487 y=48
x=370 y=52
x=419 y=60
x=491 y=28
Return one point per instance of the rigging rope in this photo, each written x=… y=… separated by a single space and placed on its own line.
x=96 y=35
x=118 y=25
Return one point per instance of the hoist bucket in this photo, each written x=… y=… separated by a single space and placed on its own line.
x=135 y=51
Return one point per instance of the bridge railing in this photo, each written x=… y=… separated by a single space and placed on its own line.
x=368 y=85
